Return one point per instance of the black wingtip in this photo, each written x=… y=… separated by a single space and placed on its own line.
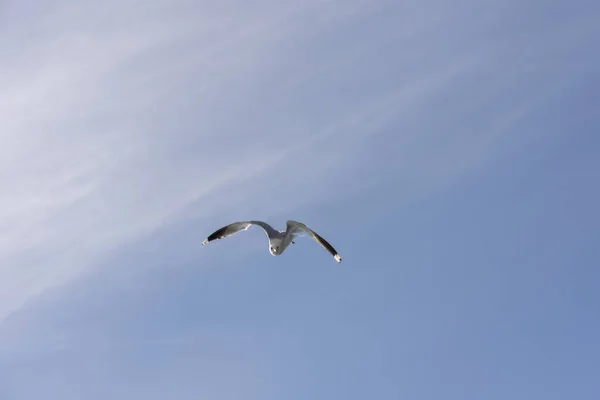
x=219 y=234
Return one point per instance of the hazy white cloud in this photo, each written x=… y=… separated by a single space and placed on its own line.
x=96 y=147
x=115 y=124
x=121 y=115
x=126 y=125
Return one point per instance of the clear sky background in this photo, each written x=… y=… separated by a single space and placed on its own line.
x=448 y=150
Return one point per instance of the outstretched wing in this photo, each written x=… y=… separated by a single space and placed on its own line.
x=236 y=227
x=294 y=228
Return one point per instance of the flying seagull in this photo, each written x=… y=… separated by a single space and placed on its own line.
x=278 y=240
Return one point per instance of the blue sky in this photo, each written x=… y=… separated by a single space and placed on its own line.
x=448 y=151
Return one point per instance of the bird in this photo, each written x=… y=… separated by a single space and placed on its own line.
x=278 y=240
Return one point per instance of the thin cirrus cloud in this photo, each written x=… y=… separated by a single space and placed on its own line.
x=102 y=113
x=123 y=119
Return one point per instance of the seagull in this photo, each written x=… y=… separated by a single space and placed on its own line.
x=278 y=240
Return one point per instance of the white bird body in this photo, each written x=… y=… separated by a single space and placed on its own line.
x=278 y=240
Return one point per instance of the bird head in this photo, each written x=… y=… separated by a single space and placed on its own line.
x=274 y=250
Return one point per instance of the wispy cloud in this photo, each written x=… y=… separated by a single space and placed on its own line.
x=122 y=119
x=114 y=126
x=110 y=127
